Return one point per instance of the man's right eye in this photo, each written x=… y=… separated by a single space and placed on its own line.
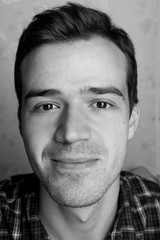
x=46 y=107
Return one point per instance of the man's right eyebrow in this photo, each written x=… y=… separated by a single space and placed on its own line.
x=42 y=93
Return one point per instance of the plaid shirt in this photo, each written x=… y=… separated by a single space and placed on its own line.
x=138 y=215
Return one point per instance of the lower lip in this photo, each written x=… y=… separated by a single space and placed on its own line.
x=75 y=166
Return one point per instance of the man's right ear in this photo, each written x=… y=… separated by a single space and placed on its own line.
x=19 y=119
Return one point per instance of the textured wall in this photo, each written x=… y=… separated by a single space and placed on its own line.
x=141 y=18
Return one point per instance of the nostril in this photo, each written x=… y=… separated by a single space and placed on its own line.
x=72 y=125
x=69 y=132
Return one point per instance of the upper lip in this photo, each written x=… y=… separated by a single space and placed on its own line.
x=74 y=160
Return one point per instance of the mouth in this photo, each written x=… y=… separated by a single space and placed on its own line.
x=76 y=163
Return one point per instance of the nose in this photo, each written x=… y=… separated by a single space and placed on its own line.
x=73 y=127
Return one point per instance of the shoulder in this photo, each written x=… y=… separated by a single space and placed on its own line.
x=18 y=204
x=139 y=206
x=143 y=199
x=140 y=186
x=17 y=186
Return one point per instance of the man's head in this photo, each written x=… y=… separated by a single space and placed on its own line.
x=76 y=81
x=70 y=23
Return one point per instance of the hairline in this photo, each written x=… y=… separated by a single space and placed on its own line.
x=70 y=41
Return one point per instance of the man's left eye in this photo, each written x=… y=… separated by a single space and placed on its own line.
x=102 y=104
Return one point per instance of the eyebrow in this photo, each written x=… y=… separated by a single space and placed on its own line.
x=86 y=90
x=102 y=90
x=42 y=93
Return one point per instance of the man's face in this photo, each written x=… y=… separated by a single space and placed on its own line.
x=75 y=118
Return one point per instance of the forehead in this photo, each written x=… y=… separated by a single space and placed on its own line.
x=76 y=64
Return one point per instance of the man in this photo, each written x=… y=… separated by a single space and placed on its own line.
x=76 y=83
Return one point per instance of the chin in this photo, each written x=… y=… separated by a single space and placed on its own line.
x=74 y=195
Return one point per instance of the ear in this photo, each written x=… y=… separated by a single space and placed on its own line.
x=19 y=119
x=133 y=121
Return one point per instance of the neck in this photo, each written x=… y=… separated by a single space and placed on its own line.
x=92 y=222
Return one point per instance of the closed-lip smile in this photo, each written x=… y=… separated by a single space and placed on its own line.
x=74 y=163
x=74 y=160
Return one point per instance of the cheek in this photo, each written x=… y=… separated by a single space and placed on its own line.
x=113 y=130
x=36 y=135
x=114 y=135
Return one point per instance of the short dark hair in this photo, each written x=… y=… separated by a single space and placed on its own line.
x=69 y=23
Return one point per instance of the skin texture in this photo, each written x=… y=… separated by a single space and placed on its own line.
x=76 y=133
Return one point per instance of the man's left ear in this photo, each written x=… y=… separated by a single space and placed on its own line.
x=133 y=121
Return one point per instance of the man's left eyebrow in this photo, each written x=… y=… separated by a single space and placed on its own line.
x=102 y=90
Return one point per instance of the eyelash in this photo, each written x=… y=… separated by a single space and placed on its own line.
x=106 y=104
x=50 y=106
x=46 y=107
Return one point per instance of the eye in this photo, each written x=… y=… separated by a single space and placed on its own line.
x=102 y=104
x=46 y=107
